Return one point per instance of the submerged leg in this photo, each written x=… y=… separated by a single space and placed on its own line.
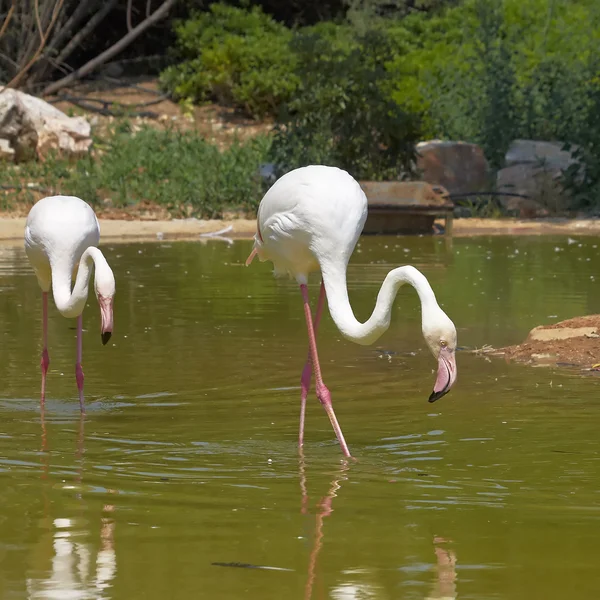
x=307 y=371
x=251 y=257
x=45 y=361
x=78 y=368
x=322 y=391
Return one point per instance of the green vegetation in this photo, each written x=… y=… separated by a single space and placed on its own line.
x=357 y=92
x=341 y=115
x=233 y=56
x=177 y=170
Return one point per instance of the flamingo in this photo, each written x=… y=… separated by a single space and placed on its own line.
x=61 y=235
x=310 y=220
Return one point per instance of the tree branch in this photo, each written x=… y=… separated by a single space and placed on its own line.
x=157 y=15
x=83 y=9
x=85 y=31
x=111 y=108
x=129 y=6
x=44 y=36
x=9 y=14
x=122 y=83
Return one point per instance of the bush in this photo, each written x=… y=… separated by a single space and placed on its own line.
x=490 y=72
x=235 y=57
x=177 y=170
x=341 y=114
x=582 y=179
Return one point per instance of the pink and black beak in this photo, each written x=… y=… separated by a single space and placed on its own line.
x=106 y=316
x=446 y=374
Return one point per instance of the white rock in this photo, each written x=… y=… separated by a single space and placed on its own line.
x=6 y=151
x=32 y=127
x=534 y=168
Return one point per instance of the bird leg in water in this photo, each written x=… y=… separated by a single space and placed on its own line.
x=78 y=367
x=323 y=393
x=307 y=371
x=45 y=361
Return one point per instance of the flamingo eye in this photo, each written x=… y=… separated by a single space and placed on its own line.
x=443 y=343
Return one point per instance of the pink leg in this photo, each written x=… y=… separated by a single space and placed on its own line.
x=322 y=391
x=78 y=368
x=45 y=361
x=307 y=371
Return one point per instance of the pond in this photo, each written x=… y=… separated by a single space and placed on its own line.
x=185 y=471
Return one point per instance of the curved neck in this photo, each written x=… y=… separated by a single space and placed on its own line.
x=71 y=303
x=334 y=278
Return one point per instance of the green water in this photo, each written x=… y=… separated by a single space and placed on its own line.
x=187 y=455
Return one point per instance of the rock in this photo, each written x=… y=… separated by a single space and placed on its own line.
x=6 y=152
x=533 y=151
x=534 y=169
x=460 y=167
x=32 y=127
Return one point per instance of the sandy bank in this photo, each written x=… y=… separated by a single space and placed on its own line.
x=472 y=227
x=570 y=343
x=115 y=230
x=121 y=230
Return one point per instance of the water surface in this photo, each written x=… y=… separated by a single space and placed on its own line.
x=187 y=456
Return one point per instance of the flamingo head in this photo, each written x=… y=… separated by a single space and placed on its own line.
x=105 y=292
x=440 y=334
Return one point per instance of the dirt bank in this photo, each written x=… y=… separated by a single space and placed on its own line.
x=127 y=228
x=571 y=343
x=547 y=226
x=114 y=230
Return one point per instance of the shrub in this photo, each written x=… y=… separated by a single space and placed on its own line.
x=177 y=170
x=235 y=57
x=341 y=114
x=490 y=72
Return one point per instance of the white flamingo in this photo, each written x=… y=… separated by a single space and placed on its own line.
x=61 y=235
x=310 y=220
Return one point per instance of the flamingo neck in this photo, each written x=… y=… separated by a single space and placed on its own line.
x=70 y=303
x=334 y=278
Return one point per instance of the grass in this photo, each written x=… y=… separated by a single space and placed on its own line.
x=177 y=170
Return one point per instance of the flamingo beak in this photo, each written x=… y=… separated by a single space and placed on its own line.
x=106 y=315
x=446 y=374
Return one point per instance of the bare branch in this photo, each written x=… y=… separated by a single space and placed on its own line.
x=129 y=6
x=83 y=33
x=110 y=108
x=82 y=10
x=128 y=84
x=148 y=7
x=9 y=60
x=44 y=36
x=36 y=7
x=29 y=22
x=156 y=16
x=11 y=10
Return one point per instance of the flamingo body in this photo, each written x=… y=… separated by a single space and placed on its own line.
x=61 y=238
x=310 y=212
x=59 y=229
x=310 y=220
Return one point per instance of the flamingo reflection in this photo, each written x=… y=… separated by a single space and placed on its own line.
x=324 y=509
x=445 y=583
x=72 y=573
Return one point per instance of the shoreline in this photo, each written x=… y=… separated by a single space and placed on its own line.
x=121 y=230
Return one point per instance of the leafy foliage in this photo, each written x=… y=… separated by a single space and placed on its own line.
x=235 y=57
x=341 y=114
